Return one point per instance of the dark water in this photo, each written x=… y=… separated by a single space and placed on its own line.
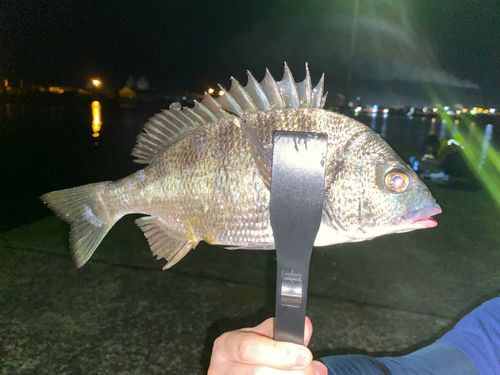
x=52 y=146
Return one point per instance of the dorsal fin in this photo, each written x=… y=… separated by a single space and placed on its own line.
x=168 y=126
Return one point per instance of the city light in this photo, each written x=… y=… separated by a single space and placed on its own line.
x=56 y=90
x=456 y=110
x=96 y=82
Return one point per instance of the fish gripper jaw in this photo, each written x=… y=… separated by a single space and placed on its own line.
x=296 y=206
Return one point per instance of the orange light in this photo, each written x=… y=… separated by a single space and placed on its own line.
x=486 y=111
x=464 y=110
x=210 y=90
x=56 y=90
x=96 y=82
x=96 y=118
x=221 y=93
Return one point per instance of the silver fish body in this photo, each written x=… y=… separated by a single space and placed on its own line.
x=207 y=181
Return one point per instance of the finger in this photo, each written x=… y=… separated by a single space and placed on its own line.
x=266 y=328
x=308 y=331
x=242 y=369
x=253 y=349
x=320 y=368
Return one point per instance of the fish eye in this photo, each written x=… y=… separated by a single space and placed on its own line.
x=397 y=180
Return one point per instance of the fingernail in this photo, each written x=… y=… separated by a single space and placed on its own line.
x=300 y=358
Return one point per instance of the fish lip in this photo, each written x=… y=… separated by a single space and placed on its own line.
x=423 y=217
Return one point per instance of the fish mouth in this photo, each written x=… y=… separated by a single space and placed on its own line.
x=423 y=217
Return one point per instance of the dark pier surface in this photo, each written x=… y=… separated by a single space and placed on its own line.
x=121 y=313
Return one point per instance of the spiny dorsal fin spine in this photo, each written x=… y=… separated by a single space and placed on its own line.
x=304 y=89
x=323 y=100
x=228 y=103
x=204 y=112
x=258 y=95
x=166 y=127
x=317 y=93
x=242 y=97
x=181 y=116
x=214 y=106
x=197 y=119
x=288 y=89
x=270 y=88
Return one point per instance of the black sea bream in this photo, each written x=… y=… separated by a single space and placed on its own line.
x=208 y=175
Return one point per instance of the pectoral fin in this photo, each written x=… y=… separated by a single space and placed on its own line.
x=261 y=156
x=164 y=243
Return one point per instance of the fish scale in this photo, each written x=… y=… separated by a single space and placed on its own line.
x=208 y=176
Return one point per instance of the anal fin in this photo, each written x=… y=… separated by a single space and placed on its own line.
x=163 y=241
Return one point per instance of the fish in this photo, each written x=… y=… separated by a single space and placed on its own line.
x=208 y=173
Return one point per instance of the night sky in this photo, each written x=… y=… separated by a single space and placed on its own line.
x=404 y=51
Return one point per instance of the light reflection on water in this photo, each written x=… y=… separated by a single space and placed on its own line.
x=442 y=129
x=433 y=126
x=96 y=118
x=383 y=130
x=486 y=144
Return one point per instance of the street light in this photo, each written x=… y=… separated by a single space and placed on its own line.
x=96 y=82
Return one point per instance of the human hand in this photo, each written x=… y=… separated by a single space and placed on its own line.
x=253 y=351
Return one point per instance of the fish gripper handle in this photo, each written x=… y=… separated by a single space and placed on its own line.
x=296 y=206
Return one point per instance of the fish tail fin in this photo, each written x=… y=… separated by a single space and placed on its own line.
x=82 y=208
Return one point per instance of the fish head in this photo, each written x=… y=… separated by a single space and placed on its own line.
x=371 y=192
